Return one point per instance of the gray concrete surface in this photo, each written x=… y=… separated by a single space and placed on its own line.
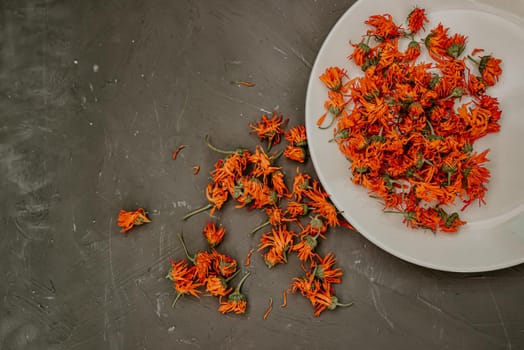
x=94 y=97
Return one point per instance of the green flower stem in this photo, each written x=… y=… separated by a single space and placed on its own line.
x=259 y=227
x=473 y=60
x=181 y=238
x=216 y=149
x=330 y=123
x=197 y=211
x=178 y=295
x=239 y=285
x=232 y=276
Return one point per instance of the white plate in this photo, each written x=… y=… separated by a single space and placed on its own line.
x=494 y=235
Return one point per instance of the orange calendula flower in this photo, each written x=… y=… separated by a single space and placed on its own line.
x=203 y=262
x=320 y=204
x=332 y=78
x=227 y=171
x=278 y=242
x=325 y=300
x=416 y=19
x=270 y=129
x=334 y=105
x=296 y=209
x=308 y=286
x=217 y=286
x=128 y=219
x=476 y=176
x=298 y=154
x=300 y=184
x=183 y=277
x=417 y=217
x=389 y=55
x=273 y=257
x=413 y=51
x=180 y=270
x=437 y=42
x=216 y=196
x=213 y=234
x=236 y=301
x=319 y=293
x=262 y=164
x=492 y=105
x=306 y=247
x=255 y=193
x=275 y=216
x=336 y=102
x=476 y=86
x=385 y=28
x=323 y=269
x=476 y=119
x=360 y=53
x=490 y=70
x=297 y=136
x=278 y=184
x=315 y=227
x=224 y=264
x=456 y=45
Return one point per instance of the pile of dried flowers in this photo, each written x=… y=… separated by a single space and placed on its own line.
x=298 y=215
x=402 y=125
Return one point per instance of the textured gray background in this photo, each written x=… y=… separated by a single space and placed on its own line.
x=78 y=145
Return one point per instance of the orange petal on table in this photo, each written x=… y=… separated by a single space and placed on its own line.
x=244 y=83
x=284 y=299
x=248 y=257
x=268 y=311
x=179 y=148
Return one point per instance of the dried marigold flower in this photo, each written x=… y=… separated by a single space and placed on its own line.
x=217 y=286
x=297 y=136
x=278 y=242
x=385 y=28
x=360 y=53
x=213 y=234
x=332 y=78
x=413 y=51
x=183 y=277
x=236 y=301
x=306 y=247
x=476 y=85
x=298 y=154
x=269 y=129
x=416 y=19
x=128 y=219
x=490 y=70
